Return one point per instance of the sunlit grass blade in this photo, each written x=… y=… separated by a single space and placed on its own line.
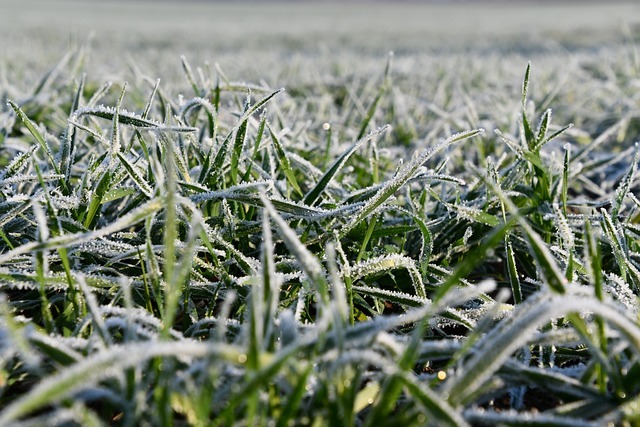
x=396 y=297
x=387 y=263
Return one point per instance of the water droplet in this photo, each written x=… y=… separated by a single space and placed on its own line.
x=326 y=126
x=442 y=375
x=242 y=358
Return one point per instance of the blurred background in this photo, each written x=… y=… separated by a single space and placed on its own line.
x=248 y=36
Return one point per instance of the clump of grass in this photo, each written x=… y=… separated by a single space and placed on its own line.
x=198 y=260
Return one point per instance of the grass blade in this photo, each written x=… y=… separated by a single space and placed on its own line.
x=312 y=196
x=405 y=173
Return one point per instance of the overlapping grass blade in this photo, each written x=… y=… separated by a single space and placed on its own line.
x=284 y=162
x=312 y=196
x=102 y=365
x=35 y=133
x=403 y=175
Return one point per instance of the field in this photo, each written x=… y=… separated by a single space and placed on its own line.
x=256 y=214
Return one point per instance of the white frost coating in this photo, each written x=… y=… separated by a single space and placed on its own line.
x=564 y=230
x=621 y=293
x=490 y=417
x=103 y=365
x=105 y=247
x=211 y=322
x=125 y=221
x=467 y=235
x=17 y=199
x=234 y=192
x=497 y=345
x=126 y=117
x=309 y=263
x=19 y=178
x=430 y=176
x=405 y=172
x=387 y=263
x=64 y=202
x=41 y=220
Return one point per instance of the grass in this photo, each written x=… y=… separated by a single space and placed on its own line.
x=401 y=246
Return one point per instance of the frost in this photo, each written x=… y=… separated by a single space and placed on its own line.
x=467 y=235
x=17 y=199
x=242 y=192
x=394 y=296
x=19 y=179
x=621 y=293
x=105 y=247
x=386 y=263
x=127 y=118
x=207 y=323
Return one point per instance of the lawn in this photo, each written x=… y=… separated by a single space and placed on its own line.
x=256 y=214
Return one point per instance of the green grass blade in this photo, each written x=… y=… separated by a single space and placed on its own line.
x=238 y=145
x=547 y=264
x=625 y=185
x=127 y=118
x=135 y=175
x=138 y=214
x=36 y=134
x=103 y=365
x=403 y=175
x=497 y=345
x=308 y=262
x=312 y=196
x=210 y=110
x=439 y=411
x=542 y=128
x=284 y=162
x=100 y=190
x=512 y=270
x=526 y=127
